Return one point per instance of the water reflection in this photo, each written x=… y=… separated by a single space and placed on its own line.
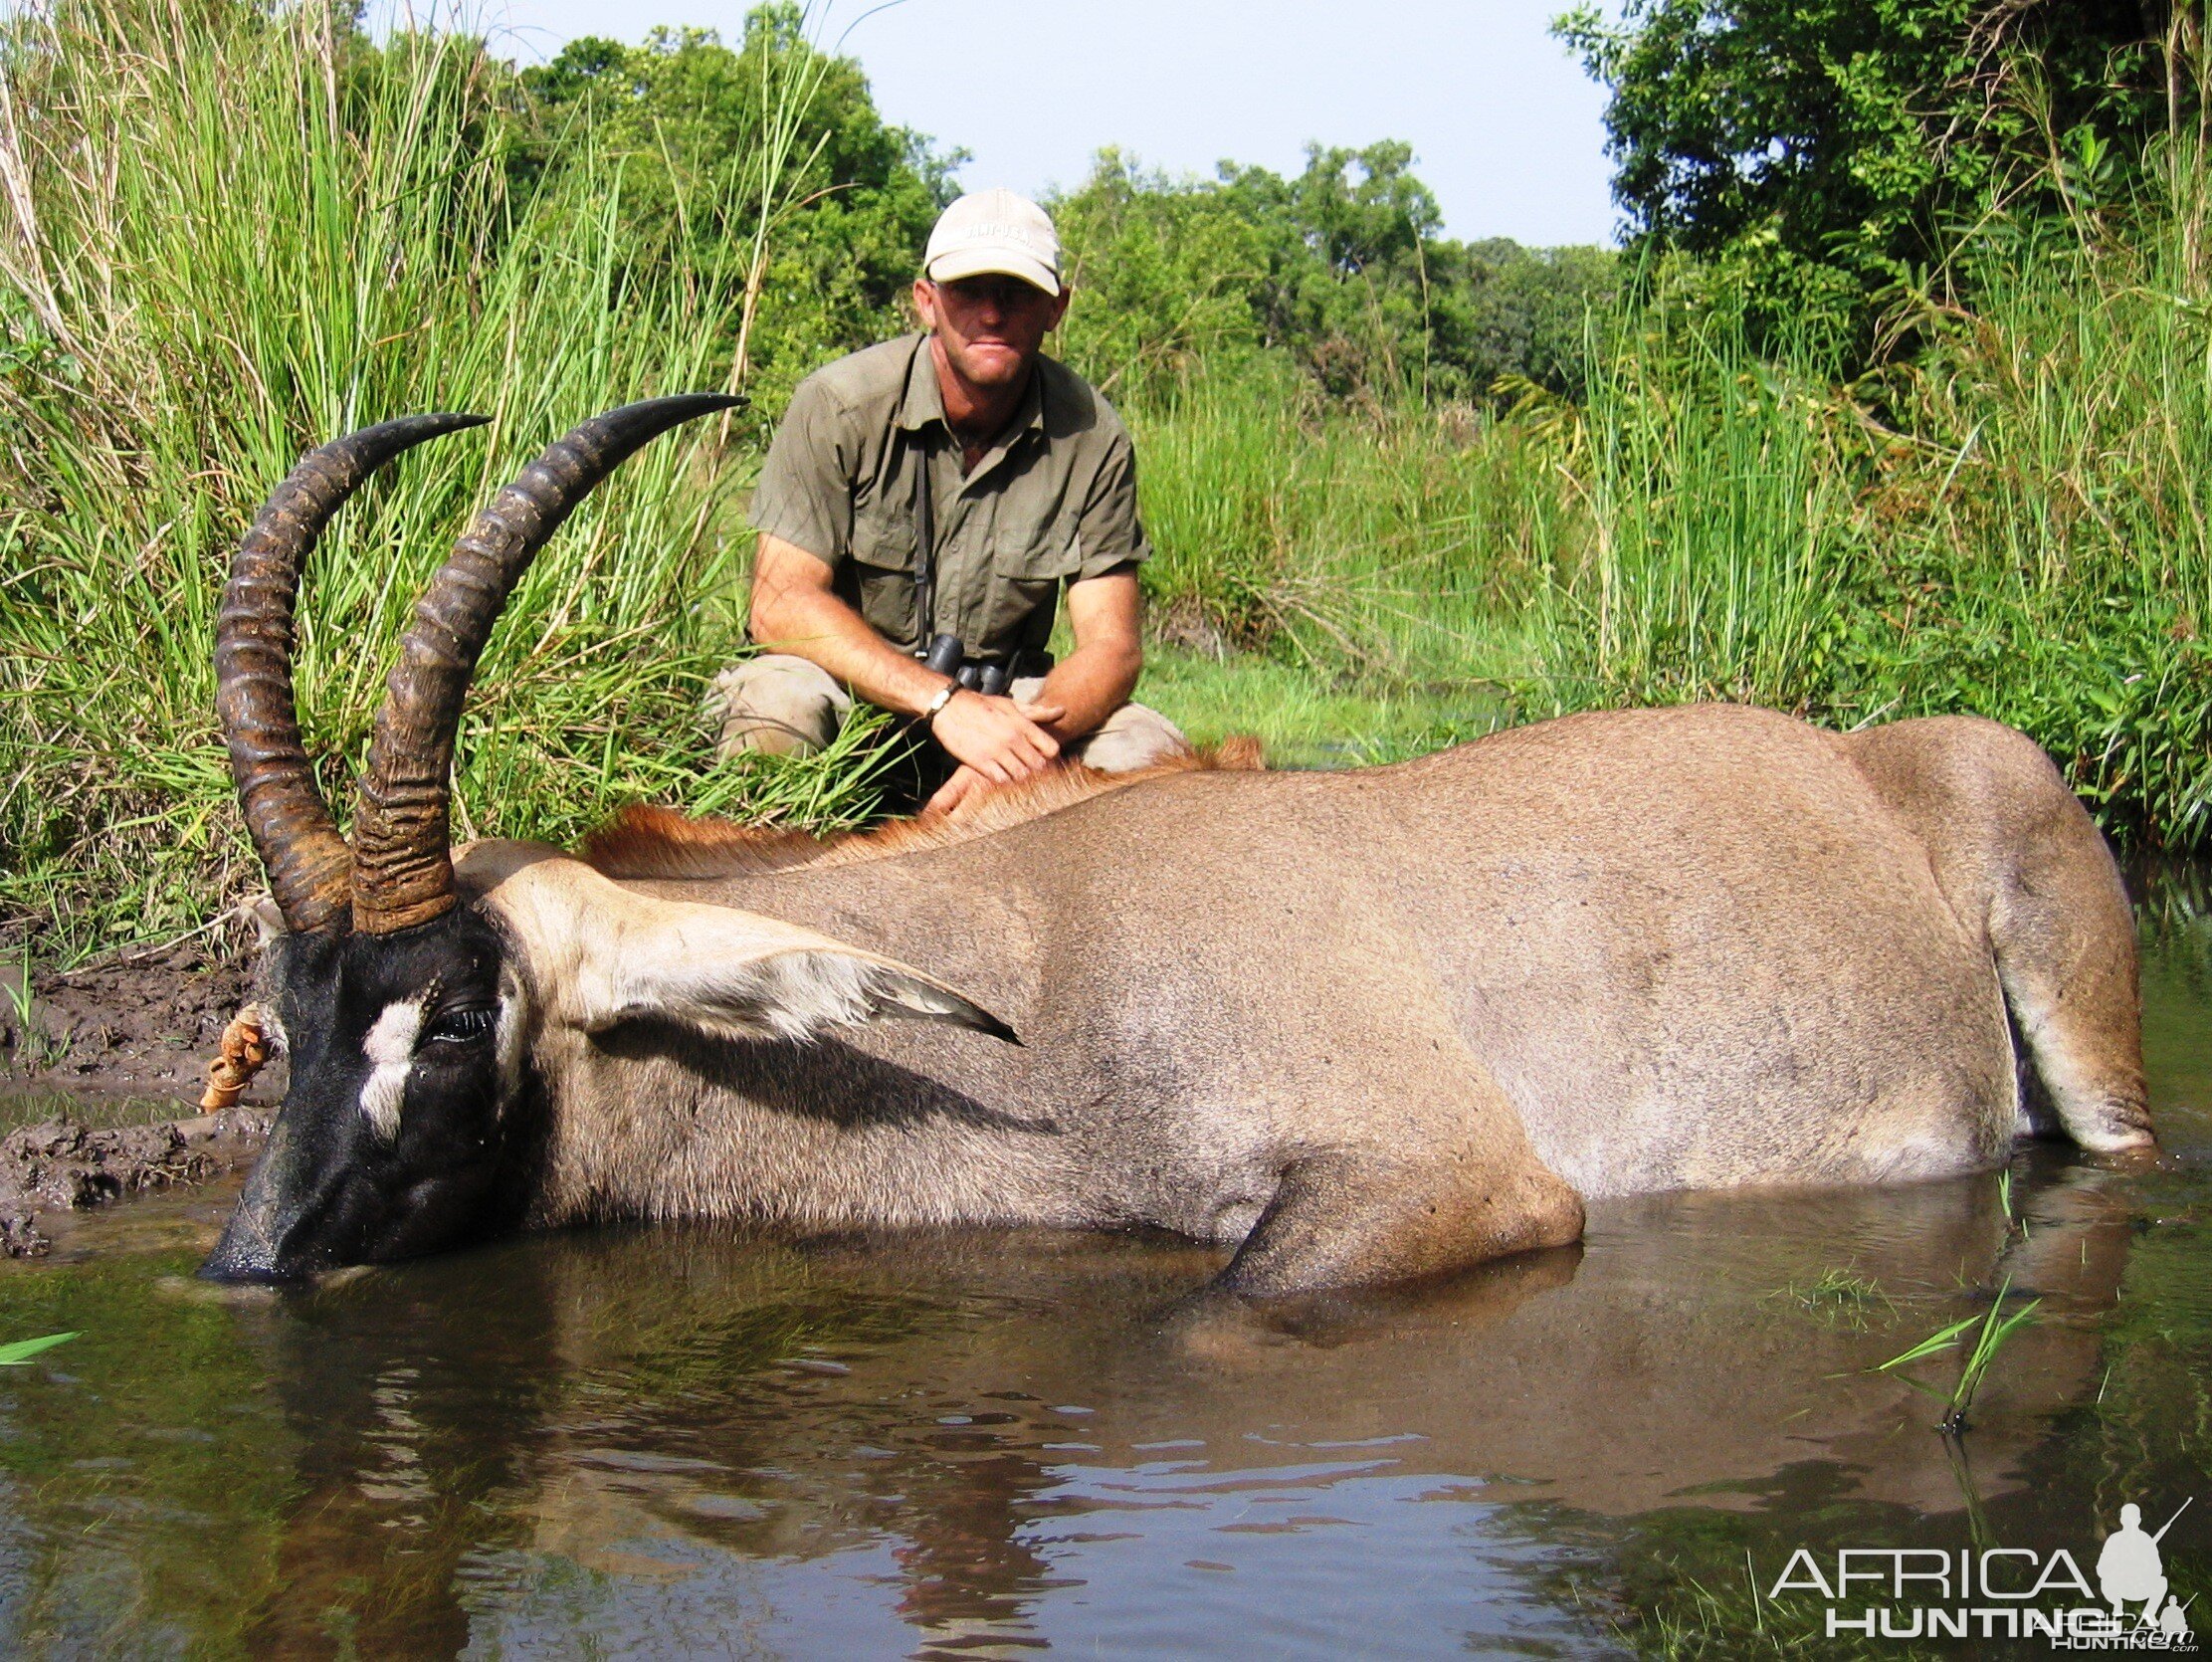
x=996 y=1438
x=677 y=1441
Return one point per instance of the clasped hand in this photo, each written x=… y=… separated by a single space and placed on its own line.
x=998 y=740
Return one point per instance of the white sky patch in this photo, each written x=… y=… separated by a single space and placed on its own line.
x=1505 y=128
x=390 y=1048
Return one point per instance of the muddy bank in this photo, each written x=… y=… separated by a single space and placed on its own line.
x=63 y=1164
x=143 y=1027
x=101 y=1073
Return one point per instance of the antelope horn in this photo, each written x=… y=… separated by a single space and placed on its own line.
x=402 y=847
x=309 y=868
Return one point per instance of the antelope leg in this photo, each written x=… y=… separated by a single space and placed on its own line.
x=1354 y=1218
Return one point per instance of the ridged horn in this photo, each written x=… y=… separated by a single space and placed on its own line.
x=402 y=846
x=309 y=868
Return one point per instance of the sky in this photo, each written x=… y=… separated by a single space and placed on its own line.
x=1504 y=127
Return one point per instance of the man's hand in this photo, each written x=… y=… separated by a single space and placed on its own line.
x=965 y=784
x=998 y=738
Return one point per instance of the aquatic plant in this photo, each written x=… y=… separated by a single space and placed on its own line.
x=1838 y=1296
x=34 y=1047
x=23 y=1350
x=1989 y=1331
x=2016 y=1221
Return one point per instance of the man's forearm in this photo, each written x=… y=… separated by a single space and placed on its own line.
x=824 y=630
x=795 y=611
x=1091 y=683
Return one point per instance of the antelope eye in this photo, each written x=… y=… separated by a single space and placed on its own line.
x=458 y=1025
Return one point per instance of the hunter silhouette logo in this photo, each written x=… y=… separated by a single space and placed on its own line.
x=2003 y=1592
x=2129 y=1569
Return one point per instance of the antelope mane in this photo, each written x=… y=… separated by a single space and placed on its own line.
x=647 y=842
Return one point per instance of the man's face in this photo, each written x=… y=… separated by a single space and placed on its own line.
x=990 y=327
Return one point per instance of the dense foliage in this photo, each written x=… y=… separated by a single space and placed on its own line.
x=2014 y=525
x=231 y=234
x=1401 y=486
x=1344 y=269
x=1818 y=155
x=832 y=207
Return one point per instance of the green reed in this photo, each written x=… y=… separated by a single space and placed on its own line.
x=2009 y=520
x=1977 y=1338
x=231 y=233
x=19 y=1353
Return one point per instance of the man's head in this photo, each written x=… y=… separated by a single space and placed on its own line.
x=990 y=287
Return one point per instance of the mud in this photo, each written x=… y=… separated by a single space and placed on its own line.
x=143 y=1027
x=127 y=1041
x=66 y=1166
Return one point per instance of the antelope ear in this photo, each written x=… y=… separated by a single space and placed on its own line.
x=611 y=957
x=771 y=981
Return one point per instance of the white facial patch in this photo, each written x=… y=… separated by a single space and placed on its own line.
x=390 y=1048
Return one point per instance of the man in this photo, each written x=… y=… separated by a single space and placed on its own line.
x=943 y=488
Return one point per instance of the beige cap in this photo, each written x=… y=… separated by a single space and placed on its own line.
x=994 y=231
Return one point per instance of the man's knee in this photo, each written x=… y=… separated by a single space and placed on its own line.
x=1133 y=736
x=775 y=704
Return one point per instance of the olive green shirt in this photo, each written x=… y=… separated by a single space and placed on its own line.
x=1053 y=501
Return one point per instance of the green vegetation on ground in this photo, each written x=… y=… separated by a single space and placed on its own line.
x=245 y=232
x=1401 y=487
x=2012 y=525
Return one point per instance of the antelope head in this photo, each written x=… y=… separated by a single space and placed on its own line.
x=405 y=999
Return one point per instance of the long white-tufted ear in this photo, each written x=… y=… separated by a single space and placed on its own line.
x=740 y=979
x=603 y=956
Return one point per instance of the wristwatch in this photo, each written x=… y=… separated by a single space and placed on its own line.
x=930 y=710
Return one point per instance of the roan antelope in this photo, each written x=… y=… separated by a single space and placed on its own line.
x=1357 y=1026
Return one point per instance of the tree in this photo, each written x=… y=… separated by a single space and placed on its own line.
x=1163 y=271
x=1343 y=268
x=1824 y=151
x=688 y=118
x=1347 y=284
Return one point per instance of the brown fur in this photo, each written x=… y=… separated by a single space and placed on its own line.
x=1373 y=1025
x=647 y=842
x=1361 y=1027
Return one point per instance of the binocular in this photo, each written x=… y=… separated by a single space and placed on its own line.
x=948 y=657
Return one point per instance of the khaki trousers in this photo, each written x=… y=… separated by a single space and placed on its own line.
x=784 y=706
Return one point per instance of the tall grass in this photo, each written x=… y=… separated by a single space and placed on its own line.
x=2012 y=522
x=1383 y=546
x=227 y=234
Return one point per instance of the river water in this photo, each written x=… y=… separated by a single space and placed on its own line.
x=691 y=1442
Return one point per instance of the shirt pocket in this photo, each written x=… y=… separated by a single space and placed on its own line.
x=883 y=557
x=1032 y=554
